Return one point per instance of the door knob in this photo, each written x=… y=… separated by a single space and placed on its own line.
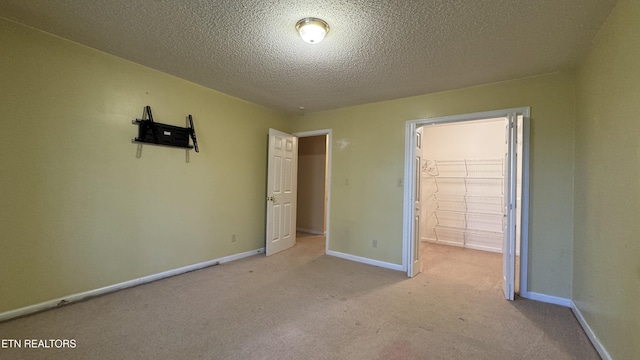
x=271 y=198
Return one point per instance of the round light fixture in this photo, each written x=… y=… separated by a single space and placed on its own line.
x=312 y=30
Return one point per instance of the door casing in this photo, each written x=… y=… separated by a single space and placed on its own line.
x=328 y=133
x=409 y=183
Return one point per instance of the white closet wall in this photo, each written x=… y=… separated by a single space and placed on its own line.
x=462 y=177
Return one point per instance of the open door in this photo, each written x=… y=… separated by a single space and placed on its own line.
x=281 y=191
x=509 y=234
x=417 y=208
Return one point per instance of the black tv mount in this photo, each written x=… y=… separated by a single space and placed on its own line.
x=151 y=132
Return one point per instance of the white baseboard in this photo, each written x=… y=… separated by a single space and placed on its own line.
x=483 y=248
x=310 y=231
x=604 y=354
x=123 y=285
x=546 y=298
x=366 y=260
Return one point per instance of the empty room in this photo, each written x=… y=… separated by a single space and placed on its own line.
x=318 y=180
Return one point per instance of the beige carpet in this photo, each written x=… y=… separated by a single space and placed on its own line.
x=301 y=304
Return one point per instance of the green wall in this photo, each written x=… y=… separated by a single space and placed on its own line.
x=368 y=159
x=78 y=210
x=606 y=276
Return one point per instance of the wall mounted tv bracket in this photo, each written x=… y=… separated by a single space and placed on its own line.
x=151 y=132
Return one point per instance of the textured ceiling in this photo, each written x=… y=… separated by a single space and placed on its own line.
x=375 y=50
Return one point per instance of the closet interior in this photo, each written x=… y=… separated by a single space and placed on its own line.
x=462 y=175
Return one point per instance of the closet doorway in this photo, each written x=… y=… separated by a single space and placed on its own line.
x=467 y=189
x=313 y=184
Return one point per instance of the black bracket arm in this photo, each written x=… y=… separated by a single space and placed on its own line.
x=193 y=133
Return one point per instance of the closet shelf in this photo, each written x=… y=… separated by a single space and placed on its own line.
x=446 y=196
x=467 y=177
x=470 y=231
x=481 y=204
x=463 y=212
x=469 y=221
x=480 y=240
x=469 y=202
x=492 y=168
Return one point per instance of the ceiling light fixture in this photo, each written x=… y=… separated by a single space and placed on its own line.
x=312 y=30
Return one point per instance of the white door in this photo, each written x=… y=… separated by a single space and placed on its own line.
x=416 y=204
x=281 y=191
x=509 y=235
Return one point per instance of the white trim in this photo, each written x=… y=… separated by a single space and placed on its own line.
x=604 y=354
x=467 y=246
x=472 y=116
x=407 y=233
x=312 y=133
x=483 y=248
x=450 y=243
x=524 y=214
x=550 y=299
x=123 y=285
x=329 y=133
x=310 y=231
x=408 y=203
x=364 y=260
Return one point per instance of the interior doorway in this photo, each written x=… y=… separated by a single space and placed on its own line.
x=313 y=184
x=467 y=187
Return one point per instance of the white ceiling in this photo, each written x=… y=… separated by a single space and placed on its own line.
x=375 y=50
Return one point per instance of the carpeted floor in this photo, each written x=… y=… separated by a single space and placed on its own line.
x=302 y=304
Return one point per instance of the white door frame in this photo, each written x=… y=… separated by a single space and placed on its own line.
x=409 y=168
x=329 y=133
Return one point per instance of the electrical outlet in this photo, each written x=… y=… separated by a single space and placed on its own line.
x=233 y=238
x=374 y=243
